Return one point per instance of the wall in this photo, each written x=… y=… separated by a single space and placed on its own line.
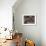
x=29 y=32
x=6 y=13
x=43 y=22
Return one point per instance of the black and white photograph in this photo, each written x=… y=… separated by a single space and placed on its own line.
x=29 y=20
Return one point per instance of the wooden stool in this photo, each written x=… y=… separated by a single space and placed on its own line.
x=18 y=39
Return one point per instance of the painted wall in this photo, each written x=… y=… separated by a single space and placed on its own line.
x=43 y=22
x=29 y=32
x=6 y=13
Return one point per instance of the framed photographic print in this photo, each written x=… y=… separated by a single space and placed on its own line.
x=28 y=19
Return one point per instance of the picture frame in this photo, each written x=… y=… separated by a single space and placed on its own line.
x=29 y=19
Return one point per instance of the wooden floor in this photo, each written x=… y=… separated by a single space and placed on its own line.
x=9 y=43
